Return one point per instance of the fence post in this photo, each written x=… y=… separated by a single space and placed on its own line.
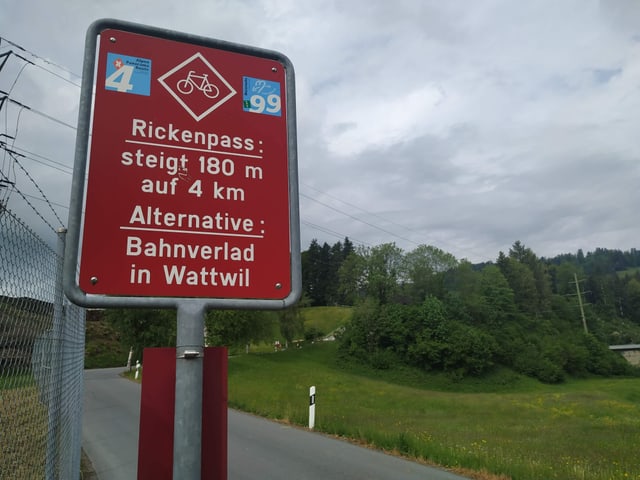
x=55 y=373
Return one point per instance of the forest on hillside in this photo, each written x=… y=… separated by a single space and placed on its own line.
x=547 y=318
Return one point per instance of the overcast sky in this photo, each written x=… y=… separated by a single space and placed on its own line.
x=466 y=125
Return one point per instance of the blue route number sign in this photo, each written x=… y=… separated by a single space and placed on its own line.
x=261 y=96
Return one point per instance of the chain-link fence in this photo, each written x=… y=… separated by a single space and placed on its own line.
x=41 y=359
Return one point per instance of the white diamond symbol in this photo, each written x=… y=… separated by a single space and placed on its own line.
x=198 y=94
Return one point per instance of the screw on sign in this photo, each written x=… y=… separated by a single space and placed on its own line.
x=191 y=187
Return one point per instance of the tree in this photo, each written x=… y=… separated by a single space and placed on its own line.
x=320 y=271
x=632 y=300
x=314 y=272
x=332 y=268
x=371 y=272
x=383 y=270
x=291 y=323
x=360 y=338
x=563 y=278
x=309 y=262
x=521 y=281
x=351 y=278
x=347 y=248
x=424 y=269
x=233 y=328
x=143 y=328
x=498 y=298
x=542 y=280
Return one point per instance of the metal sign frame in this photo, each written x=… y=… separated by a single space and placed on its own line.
x=79 y=184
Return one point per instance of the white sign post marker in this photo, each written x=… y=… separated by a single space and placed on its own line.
x=312 y=407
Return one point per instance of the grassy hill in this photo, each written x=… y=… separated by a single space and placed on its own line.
x=629 y=272
x=102 y=345
x=326 y=320
x=501 y=427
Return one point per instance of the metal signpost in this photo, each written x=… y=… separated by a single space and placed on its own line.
x=184 y=189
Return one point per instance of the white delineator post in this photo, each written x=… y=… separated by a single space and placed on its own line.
x=129 y=359
x=312 y=407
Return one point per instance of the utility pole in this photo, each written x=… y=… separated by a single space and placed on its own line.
x=579 y=293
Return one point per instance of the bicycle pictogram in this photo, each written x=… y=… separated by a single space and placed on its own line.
x=197 y=86
x=198 y=82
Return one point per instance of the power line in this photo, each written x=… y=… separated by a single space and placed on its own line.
x=10 y=152
x=362 y=209
x=14 y=155
x=30 y=155
x=29 y=62
x=38 y=112
x=374 y=215
x=334 y=233
x=357 y=219
x=45 y=200
x=7 y=55
x=21 y=48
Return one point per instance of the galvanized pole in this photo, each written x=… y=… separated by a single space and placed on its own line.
x=187 y=422
x=56 y=342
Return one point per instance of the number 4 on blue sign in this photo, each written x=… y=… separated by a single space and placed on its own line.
x=261 y=96
x=126 y=74
x=120 y=80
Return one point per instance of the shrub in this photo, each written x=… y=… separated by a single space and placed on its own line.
x=603 y=361
x=312 y=333
x=549 y=372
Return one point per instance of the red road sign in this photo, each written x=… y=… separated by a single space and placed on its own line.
x=188 y=185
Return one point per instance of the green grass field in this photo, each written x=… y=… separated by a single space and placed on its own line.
x=628 y=272
x=503 y=427
x=321 y=319
x=326 y=319
x=23 y=429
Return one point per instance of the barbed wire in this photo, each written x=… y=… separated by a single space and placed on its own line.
x=44 y=196
x=24 y=197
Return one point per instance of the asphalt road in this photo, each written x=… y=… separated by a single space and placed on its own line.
x=257 y=448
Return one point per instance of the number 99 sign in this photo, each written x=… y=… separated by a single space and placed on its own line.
x=261 y=96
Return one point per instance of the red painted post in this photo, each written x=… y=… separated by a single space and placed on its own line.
x=155 y=444
x=214 y=414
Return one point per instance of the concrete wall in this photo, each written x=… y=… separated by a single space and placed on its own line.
x=632 y=356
